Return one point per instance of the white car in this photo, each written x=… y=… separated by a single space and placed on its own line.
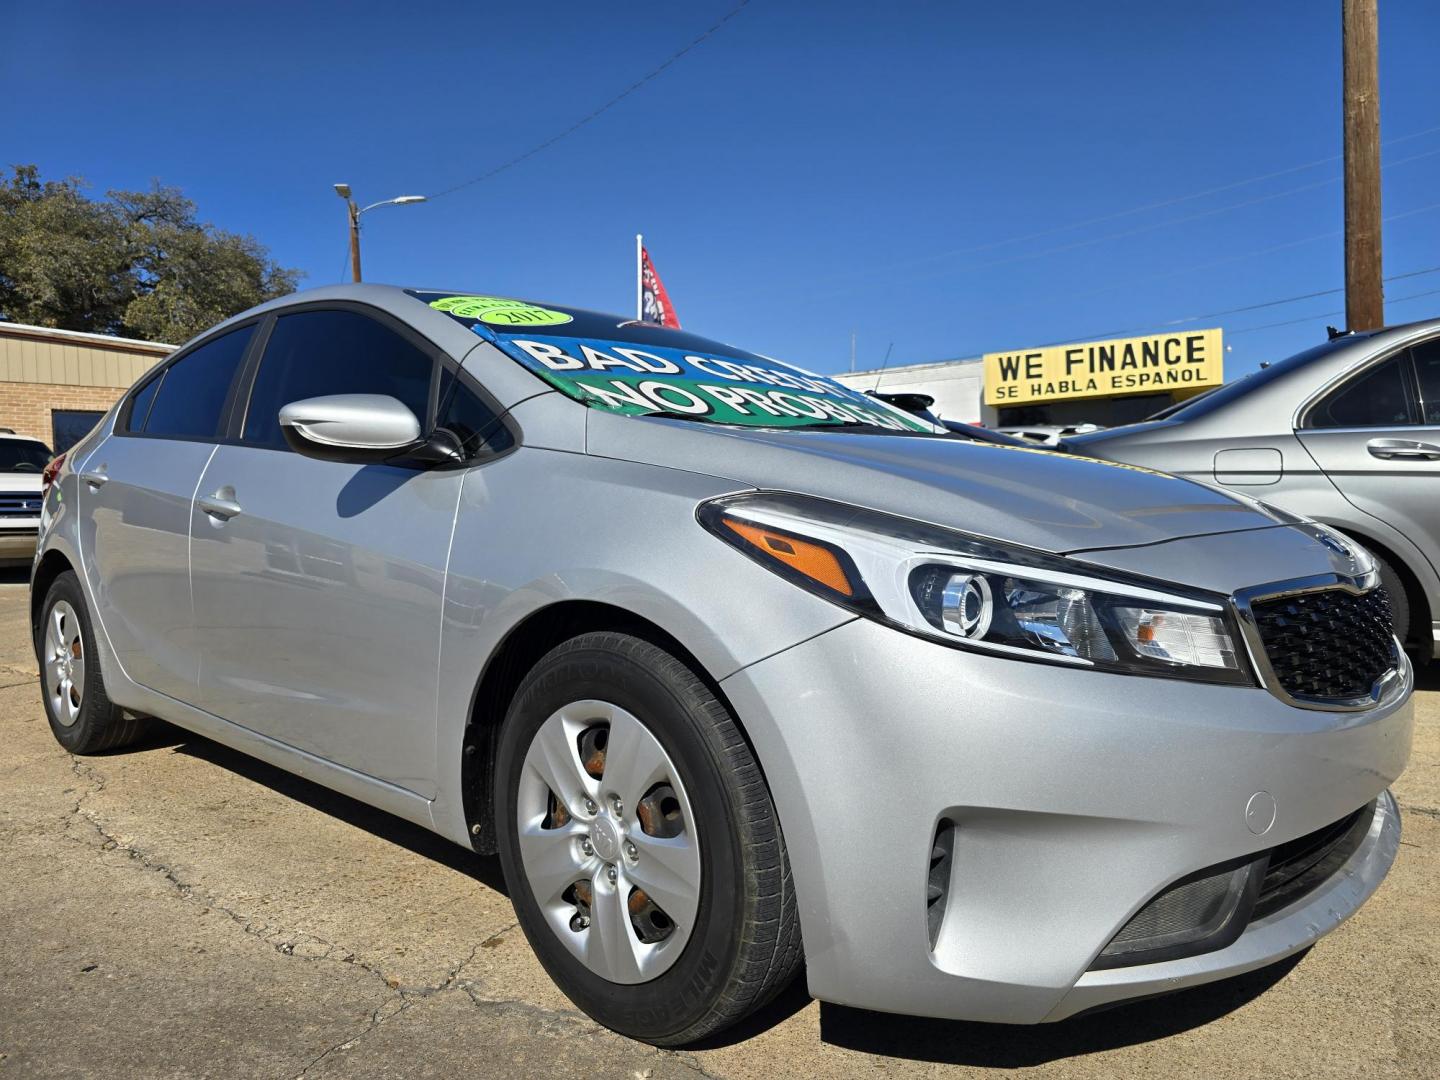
x=1048 y=434
x=22 y=463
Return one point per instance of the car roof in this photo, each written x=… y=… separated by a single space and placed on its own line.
x=1267 y=400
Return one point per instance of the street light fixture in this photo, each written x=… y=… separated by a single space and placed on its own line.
x=343 y=190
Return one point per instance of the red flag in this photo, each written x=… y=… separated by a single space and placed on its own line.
x=655 y=306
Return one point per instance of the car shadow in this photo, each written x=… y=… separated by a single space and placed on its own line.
x=428 y=845
x=1006 y=1046
x=953 y=1042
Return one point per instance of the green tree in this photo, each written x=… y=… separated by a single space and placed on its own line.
x=137 y=263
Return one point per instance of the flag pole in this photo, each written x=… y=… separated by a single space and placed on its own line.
x=639 y=277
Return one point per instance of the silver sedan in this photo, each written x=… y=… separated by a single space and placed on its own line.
x=732 y=666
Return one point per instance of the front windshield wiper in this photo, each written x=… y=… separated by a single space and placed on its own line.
x=670 y=414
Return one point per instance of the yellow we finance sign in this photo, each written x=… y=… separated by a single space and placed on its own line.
x=1144 y=365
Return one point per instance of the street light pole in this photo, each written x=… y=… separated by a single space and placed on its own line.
x=343 y=190
x=354 y=240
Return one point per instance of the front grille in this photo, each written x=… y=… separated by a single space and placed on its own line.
x=1328 y=646
x=14 y=503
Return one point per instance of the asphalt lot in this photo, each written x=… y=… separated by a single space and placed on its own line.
x=181 y=910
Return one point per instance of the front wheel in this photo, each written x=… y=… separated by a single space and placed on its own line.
x=640 y=845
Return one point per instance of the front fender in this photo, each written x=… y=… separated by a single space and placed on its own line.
x=612 y=532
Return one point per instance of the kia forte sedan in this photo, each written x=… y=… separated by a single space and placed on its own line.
x=733 y=666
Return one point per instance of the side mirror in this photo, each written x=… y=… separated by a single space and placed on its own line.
x=358 y=428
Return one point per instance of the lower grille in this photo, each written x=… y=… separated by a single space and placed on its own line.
x=1211 y=908
x=1327 y=646
x=1297 y=868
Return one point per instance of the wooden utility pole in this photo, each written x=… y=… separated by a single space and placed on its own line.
x=1364 y=290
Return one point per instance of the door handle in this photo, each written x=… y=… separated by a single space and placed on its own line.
x=216 y=507
x=1407 y=449
x=95 y=479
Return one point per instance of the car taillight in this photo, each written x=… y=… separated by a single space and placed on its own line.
x=50 y=472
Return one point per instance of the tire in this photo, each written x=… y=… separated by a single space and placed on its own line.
x=709 y=810
x=1399 y=602
x=81 y=715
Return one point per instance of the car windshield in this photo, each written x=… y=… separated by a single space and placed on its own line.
x=23 y=455
x=1223 y=395
x=641 y=369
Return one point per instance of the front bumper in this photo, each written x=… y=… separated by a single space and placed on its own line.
x=1076 y=797
x=17 y=542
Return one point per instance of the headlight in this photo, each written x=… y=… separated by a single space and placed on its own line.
x=976 y=593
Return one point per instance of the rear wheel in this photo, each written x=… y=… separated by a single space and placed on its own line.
x=81 y=715
x=640 y=844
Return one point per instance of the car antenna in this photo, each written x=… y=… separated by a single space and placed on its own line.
x=883 y=365
x=1335 y=332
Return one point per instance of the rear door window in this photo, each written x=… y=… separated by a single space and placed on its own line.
x=1377 y=397
x=190 y=396
x=318 y=353
x=1427 y=375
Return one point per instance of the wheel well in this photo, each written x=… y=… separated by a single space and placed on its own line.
x=1419 y=628
x=507 y=667
x=52 y=565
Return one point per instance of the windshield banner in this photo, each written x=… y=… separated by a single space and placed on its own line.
x=638 y=379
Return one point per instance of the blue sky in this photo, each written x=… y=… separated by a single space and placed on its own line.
x=952 y=178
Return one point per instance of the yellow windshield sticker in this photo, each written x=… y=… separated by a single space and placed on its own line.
x=499 y=311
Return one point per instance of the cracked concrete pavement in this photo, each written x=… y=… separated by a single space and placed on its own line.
x=180 y=910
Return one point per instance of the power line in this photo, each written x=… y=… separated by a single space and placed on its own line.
x=1102 y=335
x=887 y=269
x=597 y=113
x=1136 y=231
x=1328 y=314
x=1287 y=300
x=1180 y=198
x=1242 y=256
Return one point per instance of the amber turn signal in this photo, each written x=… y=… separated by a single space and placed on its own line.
x=817 y=563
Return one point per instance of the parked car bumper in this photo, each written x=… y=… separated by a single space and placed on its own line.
x=17 y=542
x=1075 y=798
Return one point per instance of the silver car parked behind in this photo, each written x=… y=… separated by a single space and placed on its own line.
x=1347 y=433
x=731 y=664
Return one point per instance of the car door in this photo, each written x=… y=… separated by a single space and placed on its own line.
x=318 y=585
x=135 y=492
x=1377 y=437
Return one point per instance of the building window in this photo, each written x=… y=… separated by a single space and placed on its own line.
x=72 y=425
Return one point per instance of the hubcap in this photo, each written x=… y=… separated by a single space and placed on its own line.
x=608 y=841
x=64 y=664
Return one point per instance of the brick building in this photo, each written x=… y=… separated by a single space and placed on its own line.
x=55 y=384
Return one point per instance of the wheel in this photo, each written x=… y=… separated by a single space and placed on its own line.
x=1399 y=602
x=80 y=712
x=640 y=846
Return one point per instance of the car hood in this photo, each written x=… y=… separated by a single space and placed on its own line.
x=1090 y=442
x=19 y=481
x=1044 y=500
